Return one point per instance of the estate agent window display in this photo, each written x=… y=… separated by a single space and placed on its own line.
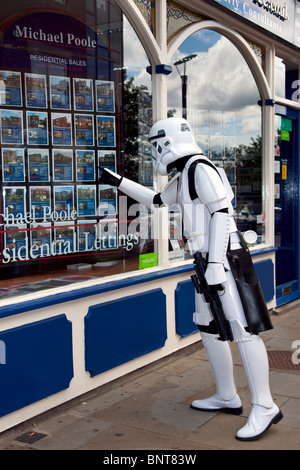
x=64 y=92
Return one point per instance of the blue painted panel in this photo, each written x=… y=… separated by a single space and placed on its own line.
x=124 y=329
x=265 y=271
x=38 y=362
x=184 y=308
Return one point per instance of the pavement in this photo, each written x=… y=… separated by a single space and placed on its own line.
x=150 y=409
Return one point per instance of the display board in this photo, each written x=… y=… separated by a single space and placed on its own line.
x=59 y=121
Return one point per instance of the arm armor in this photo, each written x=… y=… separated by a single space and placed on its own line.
x=138 y=192
x=218 y=244
x=212 y=192
x=135 y=190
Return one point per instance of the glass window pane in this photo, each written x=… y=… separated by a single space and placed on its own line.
x=215 y=85
x=286 y=79
x=74 y=95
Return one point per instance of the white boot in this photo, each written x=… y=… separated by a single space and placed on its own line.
x=220 y=359
x=259 y=421
x=264 y=412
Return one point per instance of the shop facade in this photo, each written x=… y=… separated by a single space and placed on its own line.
x=93 y=285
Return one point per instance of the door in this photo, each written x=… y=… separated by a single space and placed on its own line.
x=286 y=206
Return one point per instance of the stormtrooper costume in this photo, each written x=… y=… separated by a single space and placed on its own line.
x=204 y=195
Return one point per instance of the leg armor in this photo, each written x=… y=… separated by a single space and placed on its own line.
x=254 y=357
x=220 y=359
x=250 y=346
x=255 y=362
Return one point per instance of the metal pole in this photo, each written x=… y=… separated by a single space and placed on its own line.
x=184 y=82
x=184 y=95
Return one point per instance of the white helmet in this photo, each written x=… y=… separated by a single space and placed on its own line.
x=171 y=139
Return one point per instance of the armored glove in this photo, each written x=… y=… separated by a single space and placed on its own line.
x=109 y=177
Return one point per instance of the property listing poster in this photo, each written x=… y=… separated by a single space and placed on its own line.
x=58 y=121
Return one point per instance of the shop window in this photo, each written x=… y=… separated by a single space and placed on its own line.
x=287 y=83
x=74 y=96
x=215 y=90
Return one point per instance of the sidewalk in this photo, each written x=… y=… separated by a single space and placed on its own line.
x=151 y=410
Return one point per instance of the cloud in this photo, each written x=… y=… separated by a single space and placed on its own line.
x=219 y=79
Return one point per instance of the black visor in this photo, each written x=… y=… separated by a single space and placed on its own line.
x=160 y=133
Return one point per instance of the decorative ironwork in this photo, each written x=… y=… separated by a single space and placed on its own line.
x=178 y=18
x=147 y=8
x=258 y=50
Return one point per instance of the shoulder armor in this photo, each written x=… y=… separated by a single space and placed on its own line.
x=209 y=186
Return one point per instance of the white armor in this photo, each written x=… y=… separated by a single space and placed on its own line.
x=208 y=219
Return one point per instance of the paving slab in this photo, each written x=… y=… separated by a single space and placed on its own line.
x=284 y=383
x=122 y=437
x=148 y=413
x=291 y=413
x=69 y=432
x=221 y=430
